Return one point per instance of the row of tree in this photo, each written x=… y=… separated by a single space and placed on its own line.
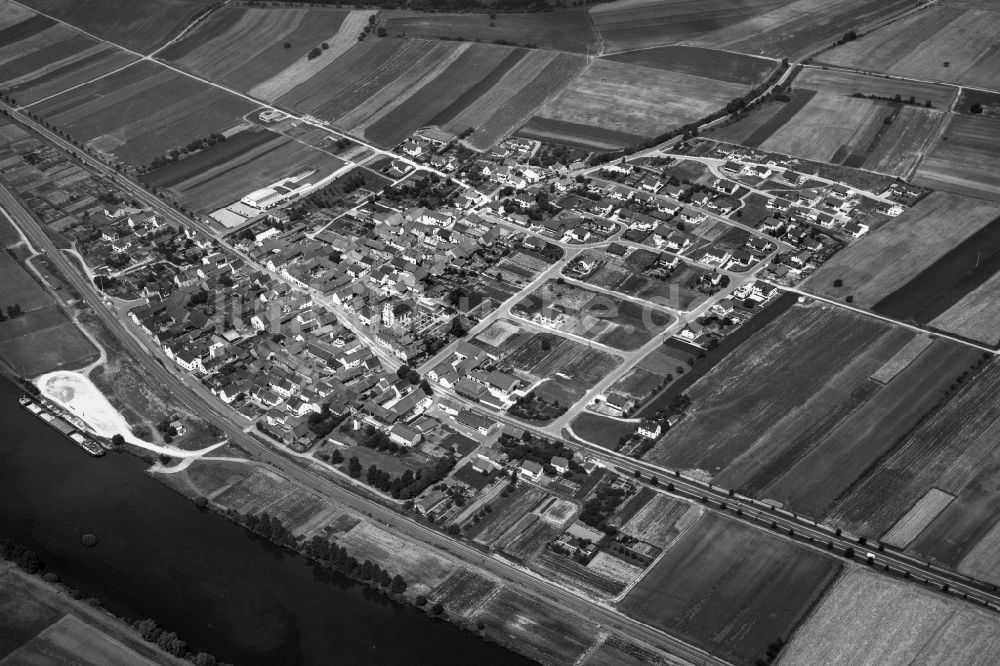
x=332 y=556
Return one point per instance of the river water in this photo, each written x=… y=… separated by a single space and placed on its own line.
x=222 y=589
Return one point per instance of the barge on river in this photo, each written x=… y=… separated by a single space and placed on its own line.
x=80 y=439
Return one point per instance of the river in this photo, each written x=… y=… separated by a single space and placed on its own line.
x=222 y=589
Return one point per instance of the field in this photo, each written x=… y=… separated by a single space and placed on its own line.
x=765 y=383
x=853 y=445
x=567 y=30
x=952 y=452
x=638 y=383
x=42 y=339
x=773 y=28
x=422 y=568
x=570 y=366
x=965 y=159
x=916 y=519
x=939 y=43
x=143 y=111
x=233 y=168
x=264 y=491
x=719 y=65
x=618 y=323
x=868 y=618
x=602 y=430
x=567 y=571
x=899 y=250
x=662 y=520
x=730 y=588
x=506 y=512
x=615 y=569
x=611 y=100
x=826 y=122
x=39 y=57
x=133 y=25
x=39 y=625
x=243 y=47
x=464 y=591
x=515 y=619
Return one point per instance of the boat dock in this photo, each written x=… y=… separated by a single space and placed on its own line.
x=64 y=427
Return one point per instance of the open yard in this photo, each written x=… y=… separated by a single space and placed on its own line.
x=612 y=100
x=774 y=28
x=868 y=618
x=895 y=253
x=540 y=632
x=143 y=111
x=125 y=22
x=940 y=43
x=731 y=588
x=602 y=430
x=965 y=159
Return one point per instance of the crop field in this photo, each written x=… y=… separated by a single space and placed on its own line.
x=965 y=158
x=730 y=588
x=143 y=111
x=567 y=571
x=42 y=339
x=506 y=512
x=568 y=363
x=708 y=63
x=902 y=359
x=854 y=445
x=975 y=316
x=662 y=520
x=265 y=491
x=224 y=173
x=940 y=43
x=243 y=47
x=868 y=618
x=464 y=591
x=67 y=73
x=615 y=569
x=610 y=99
x=24 y=610
x=773 y=28
x=548 y=637
x=953 y=451
x=529 y=539
x=496 y=111
x=137 y=26
x=563 y=30
x=617 y=652
x=899 y=250
x=422 y=568
x=850 y=83
x=765 y=382
x=916 y=519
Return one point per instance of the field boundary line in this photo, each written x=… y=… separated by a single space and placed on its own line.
x=79 y=85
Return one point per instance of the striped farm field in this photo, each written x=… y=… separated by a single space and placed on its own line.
x=830 y=118
x=143 y=111
x=696 y=61
x=141 y=26
x=965 y=158
x=954 y=44
x=898 y=251
x=564 y=30
x=619 y=101
x=774 y=28
x=918 y=518
x=245 y=48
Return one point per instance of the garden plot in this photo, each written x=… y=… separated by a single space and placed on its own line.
x=567 y=571
x=422 y=568
x=662 y=520
x=465 y=591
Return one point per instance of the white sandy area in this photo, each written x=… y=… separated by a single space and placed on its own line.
x=79 y=396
